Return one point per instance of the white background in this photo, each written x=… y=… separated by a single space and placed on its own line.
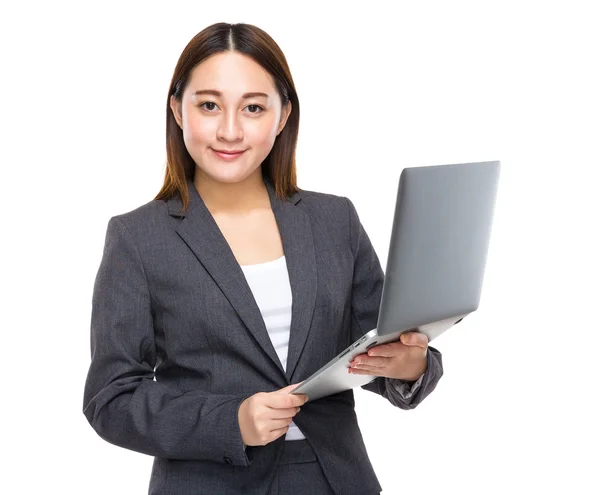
x=382 y=86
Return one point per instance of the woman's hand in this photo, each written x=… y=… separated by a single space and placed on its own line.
x=405 y=359
x=266 y=416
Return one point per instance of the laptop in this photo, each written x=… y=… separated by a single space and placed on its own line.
x=436 y=262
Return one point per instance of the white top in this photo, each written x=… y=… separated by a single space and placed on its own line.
x=270 y=285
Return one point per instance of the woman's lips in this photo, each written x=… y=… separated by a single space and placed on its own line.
x=228 y=156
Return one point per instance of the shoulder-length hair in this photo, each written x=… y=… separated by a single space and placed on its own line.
x=280 y=164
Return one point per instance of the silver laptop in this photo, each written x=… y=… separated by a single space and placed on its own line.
x=436 y=262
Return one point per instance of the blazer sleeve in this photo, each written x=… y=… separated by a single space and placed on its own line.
x=122 y=401
x=367 y=288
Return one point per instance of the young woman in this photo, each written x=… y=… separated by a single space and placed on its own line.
x=215 y=299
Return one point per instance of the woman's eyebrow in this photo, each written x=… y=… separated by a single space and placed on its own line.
x=218 y=93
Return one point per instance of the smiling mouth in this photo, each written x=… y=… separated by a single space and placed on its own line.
x=228 y=156
x=225 y=152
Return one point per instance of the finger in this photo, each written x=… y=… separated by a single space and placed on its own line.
x=385 y=350
x=290 y=412
x=279 y=423
x=288 y=389
x=415 y=339
x=358 y=371
x=285 y=401
x=367 y=367
x=374 y=362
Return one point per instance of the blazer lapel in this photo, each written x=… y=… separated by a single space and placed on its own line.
x=201 y=233
x=298 y=246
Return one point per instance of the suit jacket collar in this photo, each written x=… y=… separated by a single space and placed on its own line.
x=202 y=235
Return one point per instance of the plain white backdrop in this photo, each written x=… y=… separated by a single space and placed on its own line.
x=382 y=86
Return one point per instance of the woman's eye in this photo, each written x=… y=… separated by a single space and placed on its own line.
x=207 y=103
x=256 y=106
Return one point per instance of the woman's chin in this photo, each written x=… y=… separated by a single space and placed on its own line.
x=227 y=176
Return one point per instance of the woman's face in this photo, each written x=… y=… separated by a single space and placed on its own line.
x=226 y=118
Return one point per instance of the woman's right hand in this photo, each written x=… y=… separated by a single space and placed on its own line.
x=266 y=416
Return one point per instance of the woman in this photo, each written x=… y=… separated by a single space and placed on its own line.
x=215 y=299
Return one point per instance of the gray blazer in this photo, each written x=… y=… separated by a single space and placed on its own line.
x=177 y=342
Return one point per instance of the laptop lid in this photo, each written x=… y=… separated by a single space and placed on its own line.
x=439 y=244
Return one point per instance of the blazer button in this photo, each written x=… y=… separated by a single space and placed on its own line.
x=227 y=460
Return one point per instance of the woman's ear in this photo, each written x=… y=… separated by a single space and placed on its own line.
x=285 y=113
x=176 y=109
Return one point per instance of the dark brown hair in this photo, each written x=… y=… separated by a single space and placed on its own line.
x=280 y=164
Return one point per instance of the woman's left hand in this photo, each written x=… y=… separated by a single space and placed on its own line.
x=405 y=359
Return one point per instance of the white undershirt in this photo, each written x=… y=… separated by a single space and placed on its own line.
x=270 y=285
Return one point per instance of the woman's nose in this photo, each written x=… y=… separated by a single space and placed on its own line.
x=230 y=127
